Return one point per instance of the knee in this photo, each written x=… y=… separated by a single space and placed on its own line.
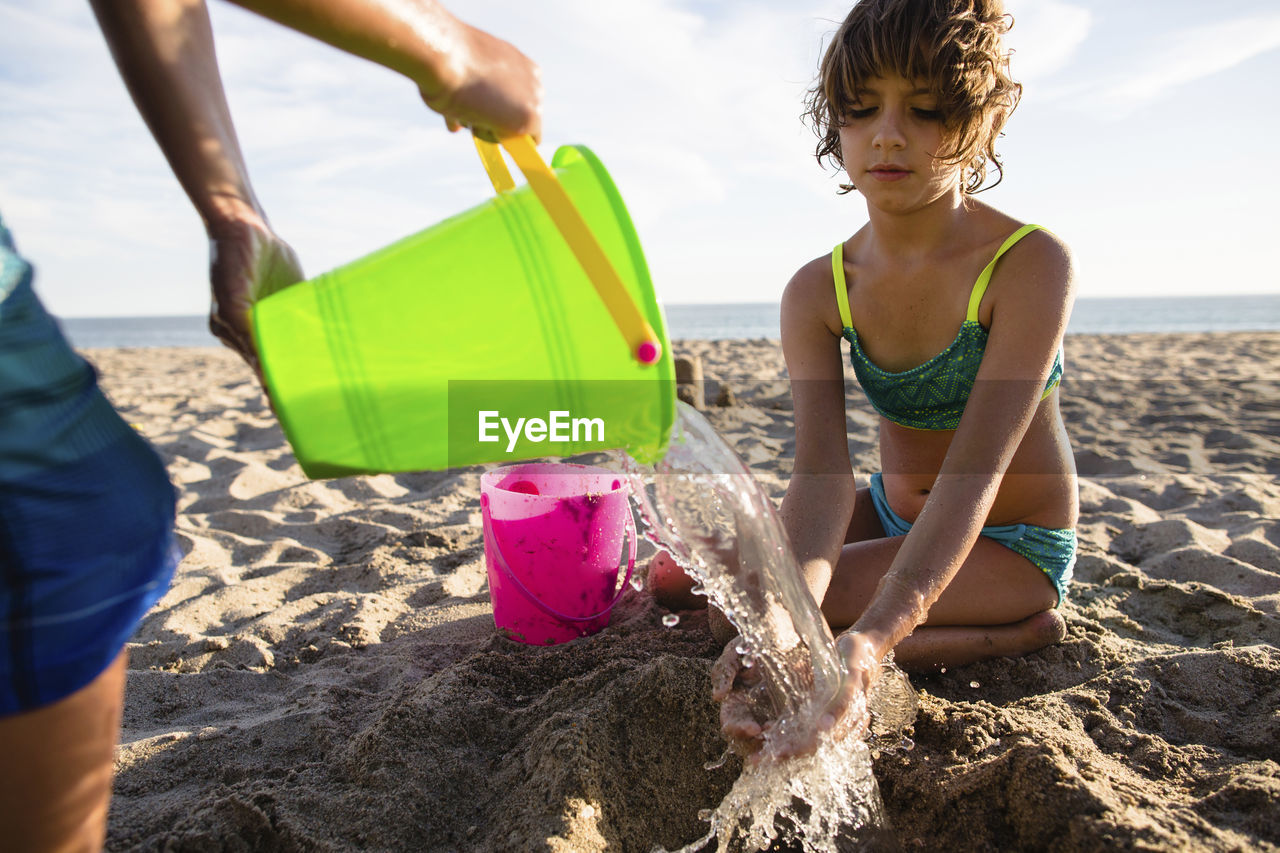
x=1046 y=628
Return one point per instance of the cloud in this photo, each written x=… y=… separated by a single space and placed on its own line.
x=1190 y=54
x=1121 y=71
x=1046 y=36
x=693 y=106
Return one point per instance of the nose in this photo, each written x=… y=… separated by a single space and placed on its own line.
x=888 y=132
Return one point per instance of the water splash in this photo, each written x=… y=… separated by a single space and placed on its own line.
x=704 y=507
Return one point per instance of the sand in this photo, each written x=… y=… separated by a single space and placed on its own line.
x=324 y=673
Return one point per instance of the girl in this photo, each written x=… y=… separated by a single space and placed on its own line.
x=962 y=546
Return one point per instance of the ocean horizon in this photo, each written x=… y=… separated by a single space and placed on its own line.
x=744 y=321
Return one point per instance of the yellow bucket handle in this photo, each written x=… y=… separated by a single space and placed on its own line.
x=635 y=330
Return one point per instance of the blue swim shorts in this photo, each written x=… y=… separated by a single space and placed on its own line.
x=1052 y=551
x=86 y=509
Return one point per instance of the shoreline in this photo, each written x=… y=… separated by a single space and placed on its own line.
x=324 y=673
x=1228 y=314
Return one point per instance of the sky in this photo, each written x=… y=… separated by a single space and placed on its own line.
x=1146 y=138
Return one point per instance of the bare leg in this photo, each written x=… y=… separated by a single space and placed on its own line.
x=55 y=769
x=929 y=649
x=672 y=588
x=998 y=605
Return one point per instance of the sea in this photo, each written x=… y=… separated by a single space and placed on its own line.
x=760 y=320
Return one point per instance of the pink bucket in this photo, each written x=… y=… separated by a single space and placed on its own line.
x=553 y=537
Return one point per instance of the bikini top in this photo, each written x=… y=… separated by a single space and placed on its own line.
x=931 y=396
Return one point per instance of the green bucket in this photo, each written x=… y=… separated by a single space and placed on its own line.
x=481 y=339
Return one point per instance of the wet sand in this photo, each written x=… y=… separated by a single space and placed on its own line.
x=324 y=673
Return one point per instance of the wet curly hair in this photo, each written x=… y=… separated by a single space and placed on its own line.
x=954 y=46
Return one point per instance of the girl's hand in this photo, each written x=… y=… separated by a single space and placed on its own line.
x=747 y=712
x=743 y=699
x=247 y=261
x=498 y=92
x=862 y=670
x=843 y=716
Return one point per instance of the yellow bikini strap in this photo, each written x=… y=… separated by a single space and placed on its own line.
x=842 y=291
x=980 y=286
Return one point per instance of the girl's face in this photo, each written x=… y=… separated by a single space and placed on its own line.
x=888 y=141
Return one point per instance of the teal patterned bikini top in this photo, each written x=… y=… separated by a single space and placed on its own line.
x=931 y=396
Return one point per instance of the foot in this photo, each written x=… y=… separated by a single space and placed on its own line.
x=1046 y=628
x=671 y=586
x=929 y=648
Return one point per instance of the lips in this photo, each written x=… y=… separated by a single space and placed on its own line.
x=888 y=172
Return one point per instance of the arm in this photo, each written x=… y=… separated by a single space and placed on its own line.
x=470 y=77
x=164 y=50
x=819 y=500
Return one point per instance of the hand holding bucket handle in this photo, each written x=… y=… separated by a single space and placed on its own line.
x=501 y=562
x=637 y=332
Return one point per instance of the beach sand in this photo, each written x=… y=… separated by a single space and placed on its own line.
x=324 y=673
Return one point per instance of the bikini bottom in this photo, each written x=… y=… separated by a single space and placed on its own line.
x=1052 y=551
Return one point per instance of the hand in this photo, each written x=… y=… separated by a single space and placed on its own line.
x=498 y=95
x=843 y=715
x=748 y=714
x=746 y=710
x=247 y=261
x=743 y=698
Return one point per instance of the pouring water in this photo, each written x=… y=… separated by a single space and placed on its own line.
x=704 y=507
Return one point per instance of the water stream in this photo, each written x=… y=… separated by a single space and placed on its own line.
x=703 y=506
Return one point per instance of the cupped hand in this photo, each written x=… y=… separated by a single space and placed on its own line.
x=745 y=710
x=247 y=261
x=846 y=713
x=742 y=695
x=498 y=93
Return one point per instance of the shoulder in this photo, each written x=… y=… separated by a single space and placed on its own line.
x=1037 y=268
x=813 y=279
x=1040 y=250
x=1033 y=279
x=810 y=296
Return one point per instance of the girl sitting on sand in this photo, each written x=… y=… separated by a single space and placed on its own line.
x=962 y=546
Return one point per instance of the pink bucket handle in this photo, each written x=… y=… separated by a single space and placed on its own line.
x=501 y=563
